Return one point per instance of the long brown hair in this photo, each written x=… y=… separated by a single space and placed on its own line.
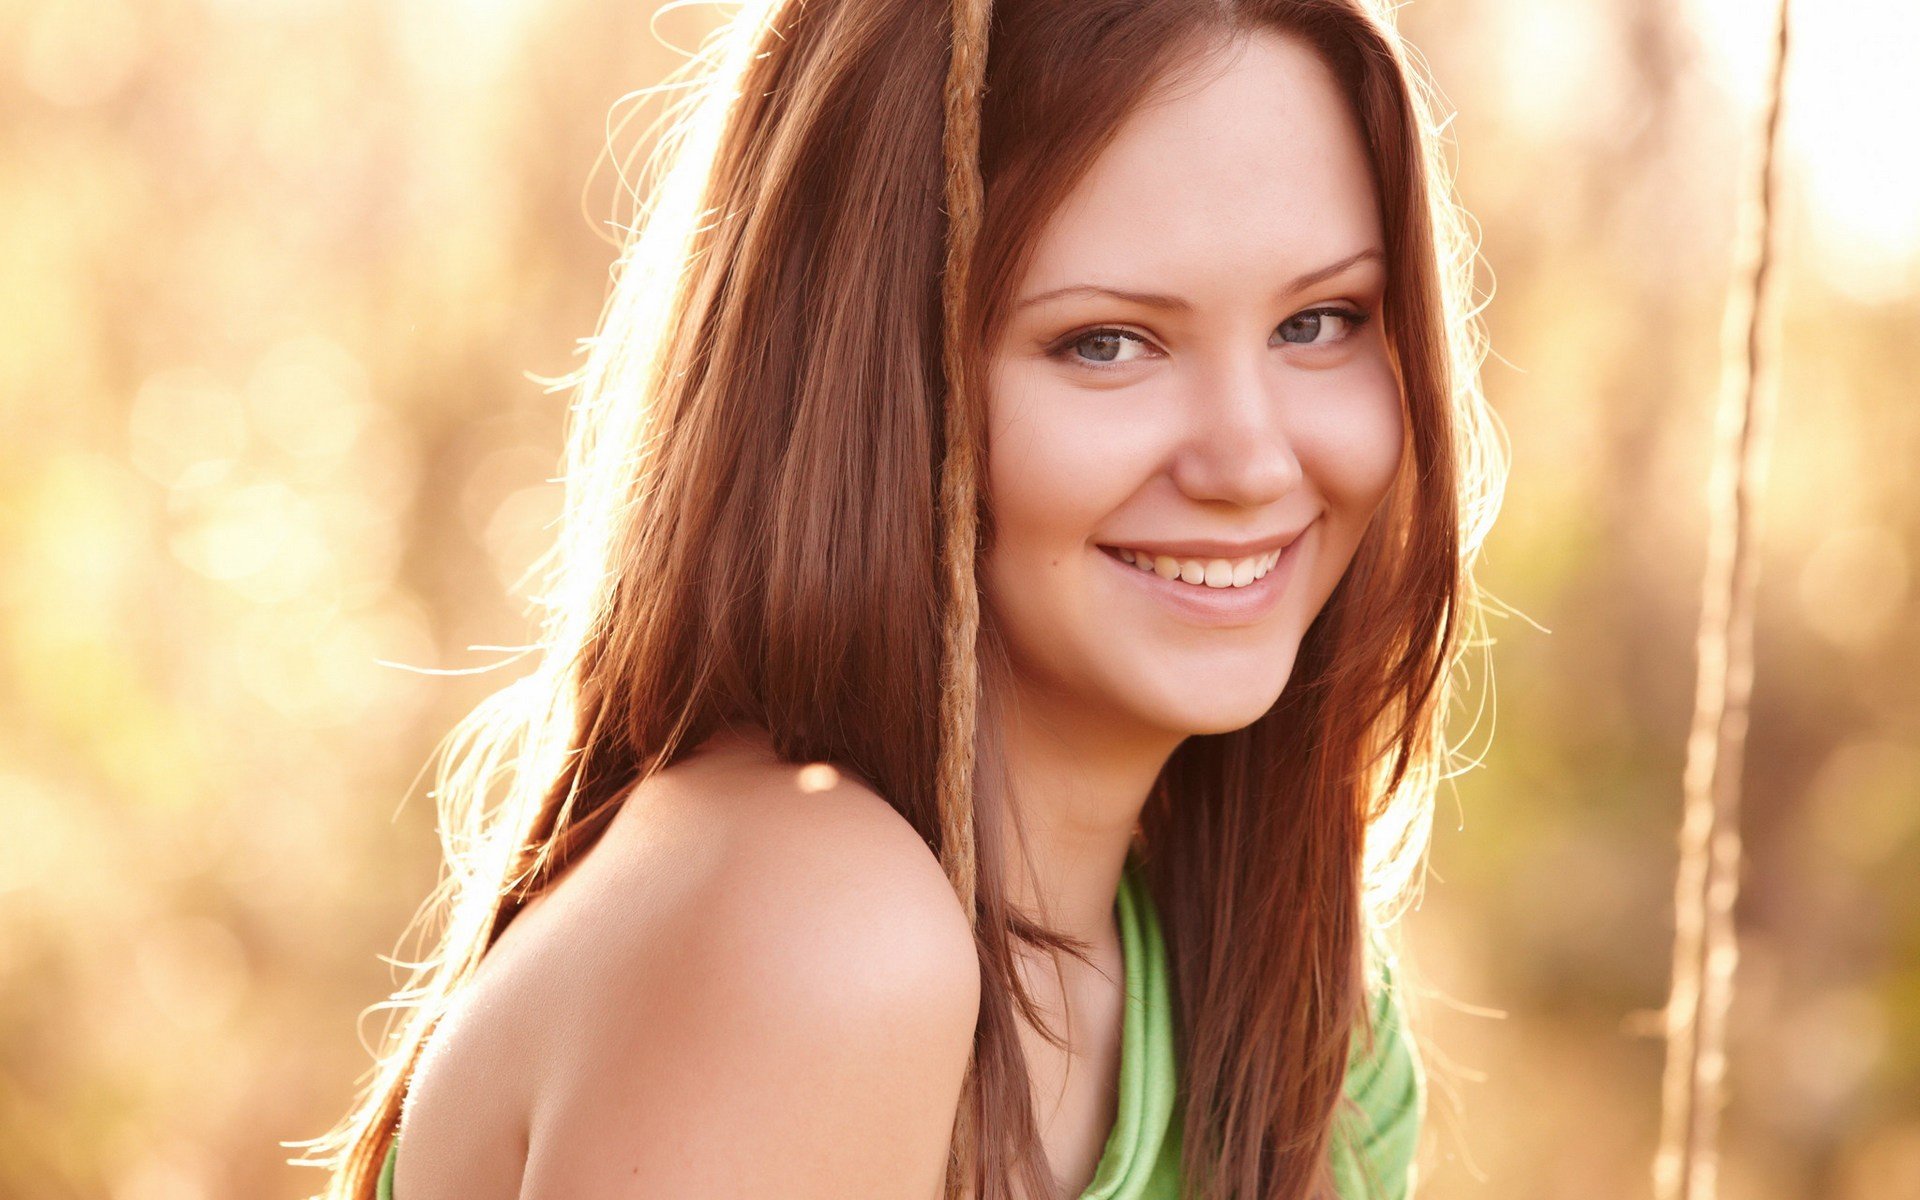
x=774 y=508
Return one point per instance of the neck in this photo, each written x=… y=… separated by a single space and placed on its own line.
x=1079 y=784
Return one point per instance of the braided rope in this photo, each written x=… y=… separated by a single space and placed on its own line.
x=959 y=477
x=959 y=484
x=1705 y=951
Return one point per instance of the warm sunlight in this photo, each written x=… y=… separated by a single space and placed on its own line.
x=1853 y=125
x=294 y=291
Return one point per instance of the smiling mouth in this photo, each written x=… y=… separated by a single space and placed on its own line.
x=1200 y=572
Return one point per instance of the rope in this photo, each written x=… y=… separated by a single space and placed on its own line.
x=959 y=477
x=959 y=484
x=1705 y=950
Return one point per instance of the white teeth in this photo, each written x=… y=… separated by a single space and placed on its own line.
x=1214 y=573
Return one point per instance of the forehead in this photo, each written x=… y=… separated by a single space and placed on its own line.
x=1251 y=171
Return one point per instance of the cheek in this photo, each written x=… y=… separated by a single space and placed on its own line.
x=1351 y=446
x=1049 y=482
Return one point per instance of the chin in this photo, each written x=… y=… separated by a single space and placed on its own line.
x=1218 y=719
x=1192 y=709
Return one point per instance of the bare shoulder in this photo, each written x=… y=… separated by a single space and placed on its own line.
x=768 y=990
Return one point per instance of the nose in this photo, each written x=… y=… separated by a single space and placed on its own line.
x=1237 y=446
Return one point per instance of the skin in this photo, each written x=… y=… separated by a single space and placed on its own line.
x=751 y=987
x=1235 y=418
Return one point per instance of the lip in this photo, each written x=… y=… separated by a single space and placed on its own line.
x=1205 y=548
x=1217 y=607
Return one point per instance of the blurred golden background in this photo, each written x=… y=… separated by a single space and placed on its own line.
x=278 y=273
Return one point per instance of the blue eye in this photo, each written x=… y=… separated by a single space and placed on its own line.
x=1313 y=321
x=1110 y=342
x=1107 y=346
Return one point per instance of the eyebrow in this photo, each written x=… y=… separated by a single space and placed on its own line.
x=1177 y=304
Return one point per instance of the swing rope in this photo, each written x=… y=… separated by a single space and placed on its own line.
x=1705 y=951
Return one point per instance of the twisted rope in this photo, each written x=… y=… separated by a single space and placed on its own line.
x=959 y=476
x=1705 y=950
x=959 y=485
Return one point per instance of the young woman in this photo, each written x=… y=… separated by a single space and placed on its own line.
x=1021 y=510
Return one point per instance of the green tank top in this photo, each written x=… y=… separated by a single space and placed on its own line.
x=1373 y=1146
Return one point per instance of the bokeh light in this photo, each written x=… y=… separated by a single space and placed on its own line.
x=275 y=461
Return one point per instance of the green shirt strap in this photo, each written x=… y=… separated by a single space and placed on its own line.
x=1373 y=1153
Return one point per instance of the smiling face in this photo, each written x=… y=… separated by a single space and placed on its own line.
x=1181 y=374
